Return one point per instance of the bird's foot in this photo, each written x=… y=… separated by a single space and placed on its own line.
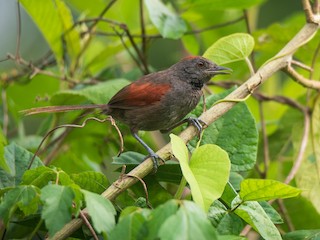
x=197 y=123
x=155 y=160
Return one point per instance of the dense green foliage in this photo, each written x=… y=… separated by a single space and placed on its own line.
x=221 y=185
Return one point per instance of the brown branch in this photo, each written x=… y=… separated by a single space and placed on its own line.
x=88 y=224
x=191 y=32
x=212 y=114
x=302 y=148
x=285 y=214
x=301 y=79
x=301 y=65
x=308 y=11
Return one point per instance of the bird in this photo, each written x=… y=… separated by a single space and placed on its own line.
x=157 y=101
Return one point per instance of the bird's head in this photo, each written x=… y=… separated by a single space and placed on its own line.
x=198 y=70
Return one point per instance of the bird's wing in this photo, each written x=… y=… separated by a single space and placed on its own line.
x=139 y=94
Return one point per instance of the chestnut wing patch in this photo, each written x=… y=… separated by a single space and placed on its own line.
x=137 y=95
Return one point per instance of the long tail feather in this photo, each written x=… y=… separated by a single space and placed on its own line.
x=67 y=108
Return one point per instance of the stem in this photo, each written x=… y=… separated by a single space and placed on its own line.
x=180 y=189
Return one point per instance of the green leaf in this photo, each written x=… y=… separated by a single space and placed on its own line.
x=23 y=197
x=45 y=15
x=168 y=23
x=92 y=181
x=101 y=211
x=232 y=48
x=18 y=160
x=235 y=132
x=312 y=234
x=266 y=189
x=271 y=212
x=57 y=206
x=98 y=94
x=129 y=227
x=129 y=158
x=206 y=161
x=189 y=222
x=41 y=176
x=226 y=222
x=254 y=214
x=159 y=216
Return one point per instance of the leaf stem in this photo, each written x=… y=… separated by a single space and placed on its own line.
x=181 y=187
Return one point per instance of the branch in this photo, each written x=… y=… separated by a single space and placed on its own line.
x=267 y=70
x=301 y=79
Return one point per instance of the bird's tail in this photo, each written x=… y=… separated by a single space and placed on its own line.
x=67 y=108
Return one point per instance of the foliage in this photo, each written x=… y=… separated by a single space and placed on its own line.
x=233 y=178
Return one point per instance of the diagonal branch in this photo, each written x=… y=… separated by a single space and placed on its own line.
x=267 y=70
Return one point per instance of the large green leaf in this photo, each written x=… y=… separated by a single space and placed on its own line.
x=92 y=181
x=206 y=161
x=168 y=23
x=18 y=160
x=129 y=227
x=266 y=189
x=189 y=222
x=235 y=132
x=46 y=16
x=312 y=234
x=254 y=214
x=232 y=48
x=101 y=211
x=57 y=206
x=25 y=198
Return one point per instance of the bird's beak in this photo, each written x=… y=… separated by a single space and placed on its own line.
x=219 y=70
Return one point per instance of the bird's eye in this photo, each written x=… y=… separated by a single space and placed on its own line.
x=200 y=64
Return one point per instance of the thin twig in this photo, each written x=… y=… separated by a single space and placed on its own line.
x=308 y=11
x=144 y=187
x=143 y=33
x=88 y=224
x=135 y=47
x=76 y=126
x=302 y=148
x=301 y=65
x=285 y=214
x=128 y=50
x=19 y=33
x=191 y=32
x=249 y=30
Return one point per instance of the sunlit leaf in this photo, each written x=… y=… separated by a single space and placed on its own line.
x=168 y=23
x=207 y=161
x=101 y=211
x=57 y=207
x=266 y=189
x=232 y=48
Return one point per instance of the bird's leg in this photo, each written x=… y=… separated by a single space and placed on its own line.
x=152 y=154
x=196 y=122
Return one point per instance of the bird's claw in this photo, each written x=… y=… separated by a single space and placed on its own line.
x=155 y=160
x=197 y=123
